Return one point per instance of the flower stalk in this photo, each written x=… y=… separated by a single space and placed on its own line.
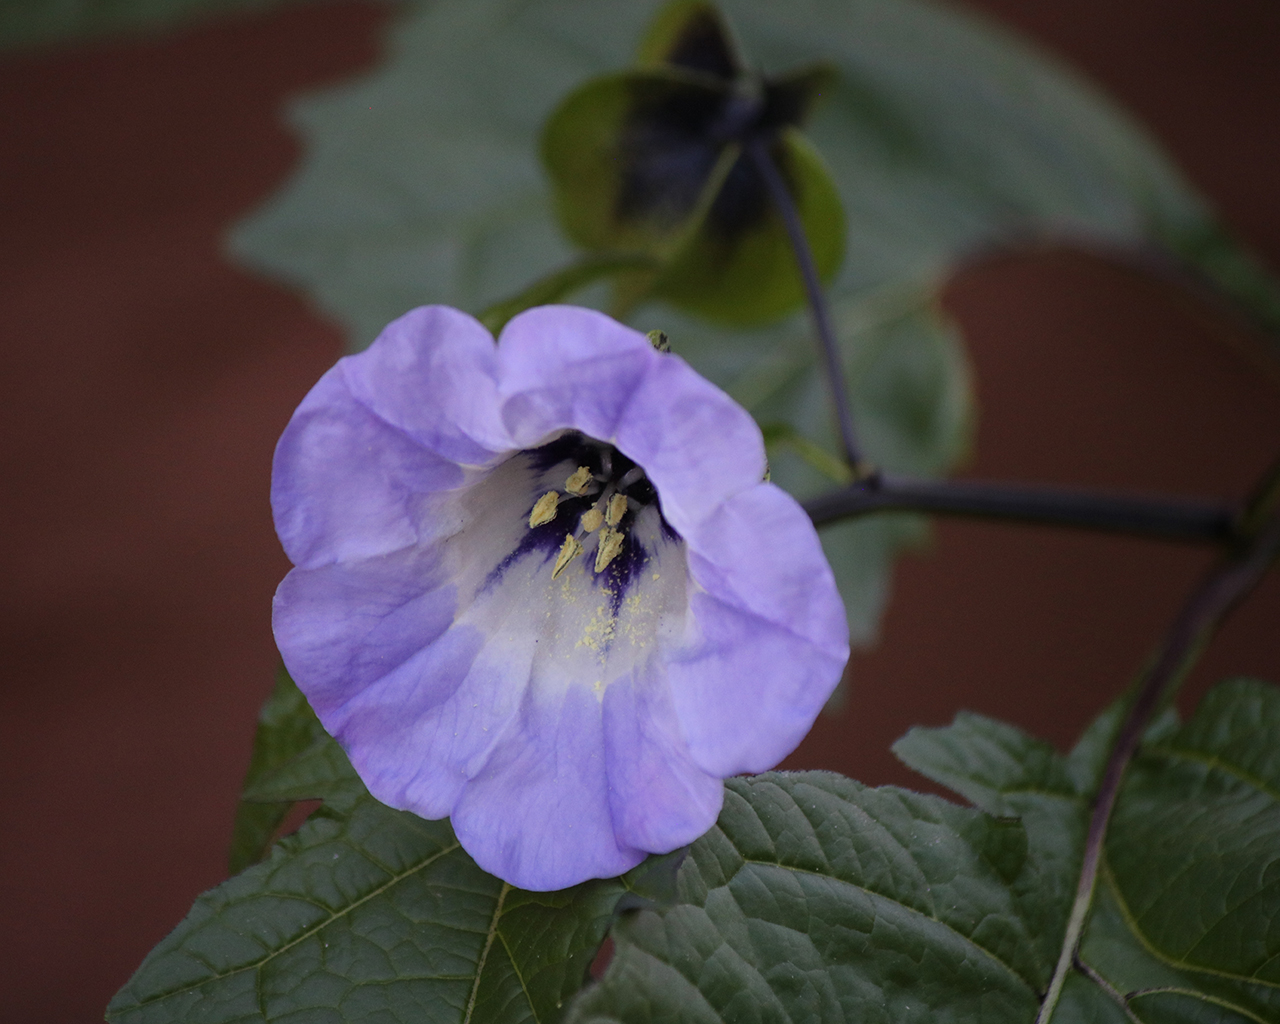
x=819 y=308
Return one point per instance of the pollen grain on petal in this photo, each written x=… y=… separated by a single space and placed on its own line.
x=578 y=481
x=610 y=546
x=569 y=550
x=592 y=519
x=544 y=510
x=617 y=509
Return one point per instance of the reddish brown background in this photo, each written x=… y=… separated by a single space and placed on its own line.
x=145 y=381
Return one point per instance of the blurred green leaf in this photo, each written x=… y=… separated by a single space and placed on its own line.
x=944 y=136
x=557 y=286
x=28 y=23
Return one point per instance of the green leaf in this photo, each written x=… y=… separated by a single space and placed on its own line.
x=1008 y=773
x=25 y=23
x=366 y=910
x=1189 y=913
x=286 y=728
x=1183 y=925
x=377 y=914
x=816 y=899
x=558 y=285
x=944 y=137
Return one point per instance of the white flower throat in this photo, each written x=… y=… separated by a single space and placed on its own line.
x=565 y=545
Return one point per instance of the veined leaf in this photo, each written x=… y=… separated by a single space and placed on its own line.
x=1188 y=925
x=368 y=913
x=373 y=915
x=818 y=899
x=1184 y=922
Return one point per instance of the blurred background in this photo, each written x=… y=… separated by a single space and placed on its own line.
x=145 y=380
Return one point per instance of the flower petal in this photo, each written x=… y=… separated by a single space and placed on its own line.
x=565 y=367
x=433 y=374
x=562 y=367
x=418 y=735
x=749 y=691
x=659 y=799
x=341 y=627
x=760 y=552
x=772 y=635
x=696 y=444
x=345 y=484
x=538 y=815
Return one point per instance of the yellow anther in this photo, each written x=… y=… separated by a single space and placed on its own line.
x=616 y=510
x=544 y=510
x=610 y=546
x=569 y=550
x=592 y=520
x=578 y=480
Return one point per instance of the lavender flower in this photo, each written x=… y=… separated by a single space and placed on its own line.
x=540 y=588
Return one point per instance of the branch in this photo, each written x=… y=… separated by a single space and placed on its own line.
x=1203 y=613
x=1163 y=518
x=819 y=310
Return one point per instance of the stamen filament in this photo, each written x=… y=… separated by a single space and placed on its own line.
x=631 y=476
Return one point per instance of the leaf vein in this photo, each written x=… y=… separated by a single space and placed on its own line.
x=1202 y=996
x=515 y=966
x=1132 y=923
x=484 y=953
x=1212 y=761
x=889 y=899
x=314 y=929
